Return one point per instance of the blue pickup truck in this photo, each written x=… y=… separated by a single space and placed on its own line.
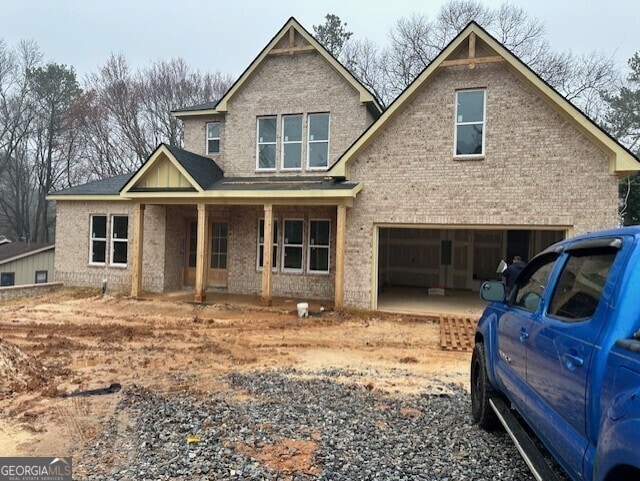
x=561 y=352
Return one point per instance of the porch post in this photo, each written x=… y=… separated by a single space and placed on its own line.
x=201 y=294
x=340 y=240
x=267 y=254
x=136 y=258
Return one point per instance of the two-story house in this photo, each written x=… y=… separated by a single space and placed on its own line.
x=297 y=184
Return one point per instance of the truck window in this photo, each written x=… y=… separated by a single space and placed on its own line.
x=580 y=285
x=531 y=287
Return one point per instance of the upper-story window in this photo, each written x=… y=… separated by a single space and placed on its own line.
x=213 y=138
x=266 y=154
x=291 y=142
x=318 y=141
x=469 y=128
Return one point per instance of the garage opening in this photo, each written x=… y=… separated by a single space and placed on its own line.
x=449 y=263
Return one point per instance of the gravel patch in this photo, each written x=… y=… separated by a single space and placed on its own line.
x=294 y=425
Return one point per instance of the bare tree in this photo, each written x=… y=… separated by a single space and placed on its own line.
x=416 y=40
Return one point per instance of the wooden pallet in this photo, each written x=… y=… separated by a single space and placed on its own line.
x=457 y=332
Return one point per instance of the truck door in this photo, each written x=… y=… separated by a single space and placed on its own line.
x=514 y=326
x=561 y=346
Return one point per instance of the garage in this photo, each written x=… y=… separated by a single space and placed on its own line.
x=450 y=261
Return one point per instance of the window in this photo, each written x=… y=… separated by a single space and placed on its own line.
x=580 y=286
x=274 y=252
x=291 y=142
x=213 y=138
x=318 y=141
x=319 y=246
x=219 y=233
x=469 y=133
x=292 y=245
x=98 y=254
x=119 y=239
x=41 y=277
x=266 y=143
x=531 y=285
x=7 y=279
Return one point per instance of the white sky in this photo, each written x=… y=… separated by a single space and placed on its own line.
x=226 y=35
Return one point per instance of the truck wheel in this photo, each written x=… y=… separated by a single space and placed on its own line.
x=481 y=391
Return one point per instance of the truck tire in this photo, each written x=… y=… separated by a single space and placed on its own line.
x=482 y=391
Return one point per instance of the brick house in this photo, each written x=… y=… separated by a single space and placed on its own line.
x=297 y=184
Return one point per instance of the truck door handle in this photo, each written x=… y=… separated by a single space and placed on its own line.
x=524 y=335
x=572 y=360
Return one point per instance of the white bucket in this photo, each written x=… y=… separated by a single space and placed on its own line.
x=303 y=309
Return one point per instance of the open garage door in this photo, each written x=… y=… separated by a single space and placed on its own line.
x=454 y=259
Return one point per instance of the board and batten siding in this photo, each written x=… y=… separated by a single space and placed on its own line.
x=25 y=268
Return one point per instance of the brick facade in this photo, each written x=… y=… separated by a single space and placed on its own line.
x=538 y=170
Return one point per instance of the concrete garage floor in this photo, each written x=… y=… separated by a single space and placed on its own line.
x=416 y=300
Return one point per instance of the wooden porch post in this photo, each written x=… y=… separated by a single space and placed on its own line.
x=340 y=240
x=136 y=258
x=267 y=254
x=201 y=294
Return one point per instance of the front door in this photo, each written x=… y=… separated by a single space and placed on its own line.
x=218 y=273
x=216 y=258
x=191 y=238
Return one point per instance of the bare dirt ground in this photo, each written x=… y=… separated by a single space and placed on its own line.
x=71 y=340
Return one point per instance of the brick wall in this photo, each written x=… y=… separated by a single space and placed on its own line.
x=538 y=170
x=28 y=290
x=72 y=246
x=303 y=83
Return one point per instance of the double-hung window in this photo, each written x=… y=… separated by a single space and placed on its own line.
x=119 y=240
x=266 y=155
x=98 y=241
x=274 y=251
x=292 y=243
x=469 y=125
x=291 y=142
x=319 y=235
x=318 y=141
x=213 y=138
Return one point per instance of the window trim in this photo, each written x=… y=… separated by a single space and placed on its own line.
x=258 y=143
x=13 y=278
x=261 y=244
x=286 y=244
x=328 y=140
x=212 y=138
x=283 y=142
x=456 y=124
x=46 y=277
x=93 y=239
x=317 y=246
x=114 y=240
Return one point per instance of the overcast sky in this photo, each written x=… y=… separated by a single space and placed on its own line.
x=226 y=35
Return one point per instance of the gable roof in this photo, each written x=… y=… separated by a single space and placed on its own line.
x=289 y=28
x=13 y=251
x=622 y=161
x=193 y=172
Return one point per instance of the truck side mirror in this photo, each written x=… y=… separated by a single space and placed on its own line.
x=493 y=291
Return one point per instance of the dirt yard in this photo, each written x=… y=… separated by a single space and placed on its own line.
x=72 y=340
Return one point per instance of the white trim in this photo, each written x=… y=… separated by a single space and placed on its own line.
x=274 y=268
x=286 y=244
x=207 y=138
x=456 y=124
x=258 y=143
x=318 y=246
x=309 y=115
x=99 y=239
x=284 y=142
x=113 y=240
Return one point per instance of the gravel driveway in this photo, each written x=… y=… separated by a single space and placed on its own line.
x=297 y=425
